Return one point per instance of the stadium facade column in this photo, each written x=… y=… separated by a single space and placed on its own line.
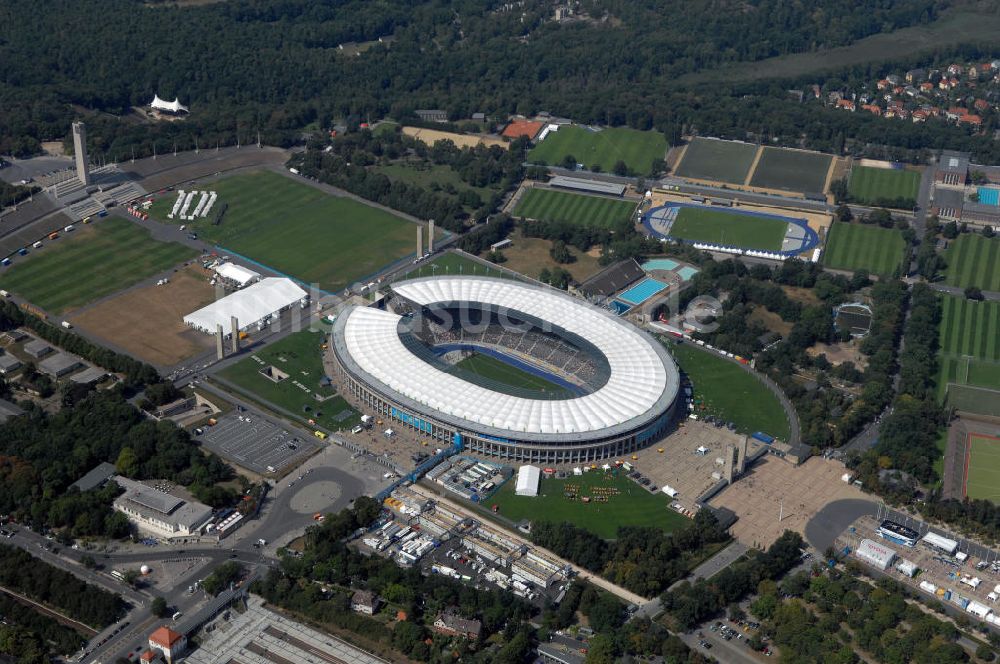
x=430 y=237
x=235 y=332
x=80 y=150
x=420 y=241
x=219 y=353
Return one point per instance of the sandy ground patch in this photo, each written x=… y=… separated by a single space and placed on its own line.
x=771 y=321
x=775 y=488
x=432 y=136
x=800 y=295
x=838 y=353
x=148 y=322
x=54 y=148
x=528 y=255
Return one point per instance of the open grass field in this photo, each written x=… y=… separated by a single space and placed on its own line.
x=431 y=176
x=973 y=260
x=87 y=264
x=982 y=467
x=729 y=228
x=631 y=506
x=602 y=148
x=872 y=186
x=454 y=263
x=148 y=322
x=713 y=159
x=530 y=255
x=856 y=247
x=791 y=170
x=723 y=389
x=497 y=370
x=298 y=355
x=581 y=209
x=969 y=358
x=301 y=231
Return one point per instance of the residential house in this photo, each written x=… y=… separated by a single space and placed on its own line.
x=916 y=75
x=846 y=104
x=954 y=69
x=898 y=90
x=453 y=625
x=894 y=79
x=835 y=96
x=985 y=70
x=926 y=86
x=873 y=109
x=973 y=73
x=911 y=91
x=882 y=84
x=172 y=644
x=432 y=115
x=995 y=65
x=920 y=115
x=903 y=113
x=971 y=120
x=981 y=104
x=816 y=91
x=366 y=602
x=955 y=112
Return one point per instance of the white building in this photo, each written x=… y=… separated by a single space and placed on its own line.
x=527 y=481
x=251 y=306
x=940 y=542
x=158 y=513
x=237 y=274
x=875 y=554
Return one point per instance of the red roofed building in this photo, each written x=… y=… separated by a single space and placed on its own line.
x=920 y=115
x=147 y=656
x=873 y=109
x=926 y=86
x=970 y=119
x=519 y=128
x=846 y=104
x=172 y=644
x=955 y=112
x=981 y=104
x=882 y=85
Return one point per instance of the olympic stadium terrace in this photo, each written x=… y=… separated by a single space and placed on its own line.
x=616 y=386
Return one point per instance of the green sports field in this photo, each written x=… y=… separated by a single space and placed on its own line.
x=718 y=160
x=973 y=260
x=632 y=506
x=454 y=263
x=301 y=231
x=89 y=263
x=723 y=389
x=603 y=148
x=300 y=356
x=856 y=247
x=970 y=354
x=883 y=186
x=497 y=370
x=729 y=228
x=549 y=205
x=982 y=470
x=791 y=170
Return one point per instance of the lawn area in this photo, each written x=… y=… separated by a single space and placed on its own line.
x=718 y=160
x=530 y=255
x=435 y=177
x=631 y=506
x=497 y=370
x=299 y=230
x=298 y=355
x=973 y=260
x=791 y=170
x=982 y=478
x=729 y=228
x=453 y=263
x=549 y=205
x=970 y=354
x=857 y=247
x=883 y=186
x=602 y=148
x=89 y=263
x=723 y=389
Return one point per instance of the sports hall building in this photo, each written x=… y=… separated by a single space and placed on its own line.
x=610 y=389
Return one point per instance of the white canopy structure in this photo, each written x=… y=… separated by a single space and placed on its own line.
x=174 y=106
x=527 y=481
x=940 y=542
x=250 y=306
x=237 y=274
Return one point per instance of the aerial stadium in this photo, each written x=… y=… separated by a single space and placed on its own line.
x=610 y=388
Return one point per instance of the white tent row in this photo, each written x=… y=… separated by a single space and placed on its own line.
x=187 y=203
x=177 y=203
x=201 y=204
x=251 y=306
x=211 y=202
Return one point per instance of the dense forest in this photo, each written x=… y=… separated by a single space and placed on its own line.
x=616 y=64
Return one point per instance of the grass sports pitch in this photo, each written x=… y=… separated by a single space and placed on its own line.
x=982 y=467
x=629 y=504
x=973 y=260
x=718 y=160
x=497 y=370
x=301 y=231
x=970 y=354
x=299 y=356
x=729 y=228
x=87 y=264
x=791 y=170
x=878 y=186
x=602 y=148
x=857 y=247
x=548 y=205
x=723 y=389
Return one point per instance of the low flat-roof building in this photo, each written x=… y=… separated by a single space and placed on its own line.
x=89 y=375
x=9 y=364
x=952 y=168
x=37 y=348
x=60 y=364
x=9 y=410
x=612 y=279
x=159 y=513
x=95 y=478
x=589 y=186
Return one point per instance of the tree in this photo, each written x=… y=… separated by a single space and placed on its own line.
x=985 y=653
x=496 y=257
x=620 y=168
x=569 y=162
x=560 y=253
x=950 y=230
x=127 y=463
x=159 y=607
x=844 y=213
x=988 y=231
x=131 y=577
x=973 y=293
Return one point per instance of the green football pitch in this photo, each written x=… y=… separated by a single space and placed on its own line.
x=729 y=228
x=628 y=504
x=969 y=358
x=856 y=247
x=883 y=186
x=724 y=390
x=982 y=467
x=499 y=371
x=973 y=260
x=713 y=159
x=89 y=263
x=602 y=148
x=548 y=205
x=298 y=230
x=791 y=170
x=300 y=356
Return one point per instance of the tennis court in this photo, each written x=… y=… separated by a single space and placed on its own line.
x=982 y=467
x=989 y=196
x=642 y=291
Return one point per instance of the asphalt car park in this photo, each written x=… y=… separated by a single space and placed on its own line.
x=254 y=442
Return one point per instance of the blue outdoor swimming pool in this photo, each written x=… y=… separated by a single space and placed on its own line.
x=642 y=291
x=989 y=196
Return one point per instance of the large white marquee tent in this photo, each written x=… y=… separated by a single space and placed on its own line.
x=250 y=305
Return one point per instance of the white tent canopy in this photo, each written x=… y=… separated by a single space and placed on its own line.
x=527 y=481
x=237 y=273
x=174 y=106
x=250 y=305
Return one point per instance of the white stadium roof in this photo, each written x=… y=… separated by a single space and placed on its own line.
x=641 y=374
x=249 y=305
x=174 y=106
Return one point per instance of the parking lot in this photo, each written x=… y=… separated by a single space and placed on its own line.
x=256 y=443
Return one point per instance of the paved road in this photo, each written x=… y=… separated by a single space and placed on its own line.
x=960 y=292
